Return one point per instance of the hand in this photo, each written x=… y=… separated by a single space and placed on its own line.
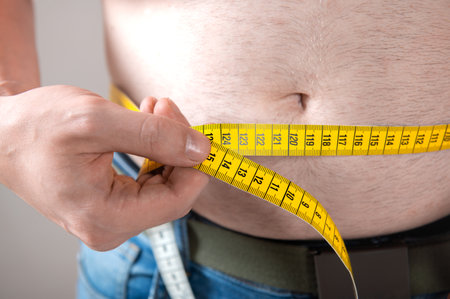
x=56 y=151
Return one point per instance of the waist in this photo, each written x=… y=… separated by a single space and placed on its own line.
x=360 y=192
x=356 y=198
x=356 y=191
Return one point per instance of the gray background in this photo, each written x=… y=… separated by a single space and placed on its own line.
x=37 y=257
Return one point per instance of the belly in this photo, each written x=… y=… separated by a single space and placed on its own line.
x=298 y=62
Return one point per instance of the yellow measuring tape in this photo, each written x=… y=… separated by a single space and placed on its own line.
x=230 y=141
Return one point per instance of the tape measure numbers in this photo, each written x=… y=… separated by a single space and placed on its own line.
x=317 y=140
x=327 y=140
x=230 y=141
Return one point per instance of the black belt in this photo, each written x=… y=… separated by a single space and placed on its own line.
x=393 y=266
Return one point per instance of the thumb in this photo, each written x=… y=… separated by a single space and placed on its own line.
x=152 y=136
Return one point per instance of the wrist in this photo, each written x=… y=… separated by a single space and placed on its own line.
x=7 y=141
x=11 y=87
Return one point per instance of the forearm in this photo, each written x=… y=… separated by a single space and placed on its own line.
x=18 y=58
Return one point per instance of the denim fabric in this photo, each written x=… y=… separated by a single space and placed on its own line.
x=130 y=271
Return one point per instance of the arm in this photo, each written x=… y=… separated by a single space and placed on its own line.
x=18 y=59
x=57 y=144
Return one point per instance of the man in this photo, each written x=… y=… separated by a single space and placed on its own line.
x=312 y=62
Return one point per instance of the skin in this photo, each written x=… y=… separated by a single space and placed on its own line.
x=241 y=61
x=304 y=62
x=57 y=146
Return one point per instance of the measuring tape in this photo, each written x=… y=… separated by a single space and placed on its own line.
x=168 y=259
x=230 y=141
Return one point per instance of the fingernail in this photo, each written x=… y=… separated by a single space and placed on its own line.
x=197 y=146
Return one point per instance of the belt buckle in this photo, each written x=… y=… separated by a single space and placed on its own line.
x=379 y=273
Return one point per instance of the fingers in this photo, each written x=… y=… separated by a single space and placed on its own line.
x=171 y=194
x=166 y=107
x=148 y=104
x=161 y=134
x=131 y=208
x=164 y=140
x=73 y=134
x=155 y=202
x=187 y=182
x=163 y=107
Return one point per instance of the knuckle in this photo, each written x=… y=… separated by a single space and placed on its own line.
x=183 y=212
x=82 y=121
x=182 y=208
x=86 y=232
x=92 y=240
x=102 y=244
x=85 y=118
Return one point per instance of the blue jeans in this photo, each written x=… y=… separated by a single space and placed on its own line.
x=130 y=271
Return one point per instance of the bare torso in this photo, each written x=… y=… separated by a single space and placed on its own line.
x=354 y=62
